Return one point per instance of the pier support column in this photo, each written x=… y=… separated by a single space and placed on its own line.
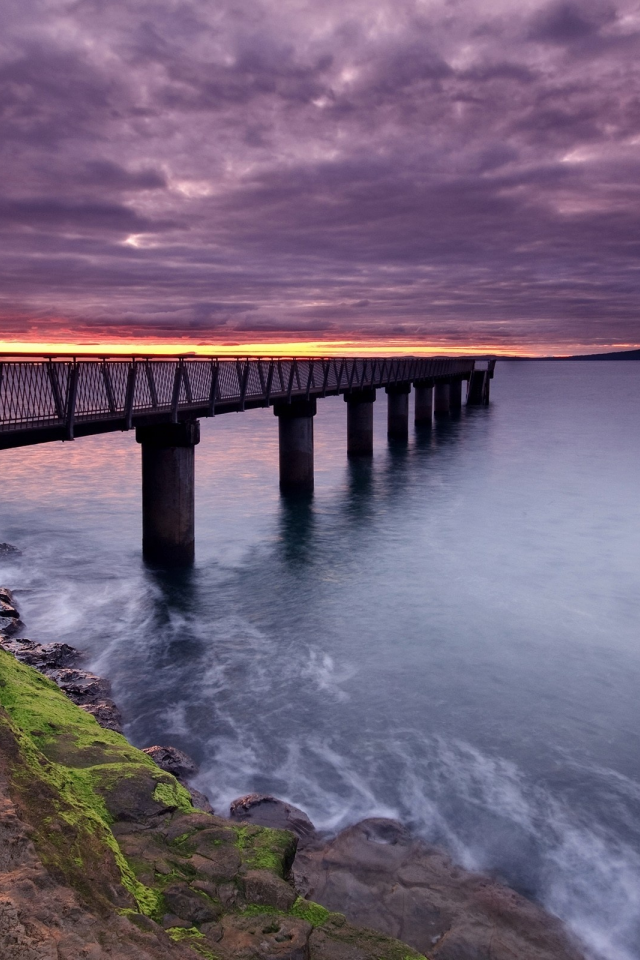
x=398 y=411
x=455 y=395
x=423 y=405
x=360 y=422
x=479 y=387
x=168 y=455
x=442 y=398
x=295 y=431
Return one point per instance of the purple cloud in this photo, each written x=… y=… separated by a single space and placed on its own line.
x=450 y=170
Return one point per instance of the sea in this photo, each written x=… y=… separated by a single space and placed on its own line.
x=447 y=634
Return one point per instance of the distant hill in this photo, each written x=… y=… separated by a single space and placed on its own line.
x=614 y=355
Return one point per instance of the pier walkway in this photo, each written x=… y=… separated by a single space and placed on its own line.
x=43 y=399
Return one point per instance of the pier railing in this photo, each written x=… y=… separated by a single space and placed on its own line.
x=55 y=399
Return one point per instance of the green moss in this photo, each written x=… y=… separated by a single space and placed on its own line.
x=312 y=912
x=70 y=819
x=263 y=848
x=71 y=780
x=257 y=909
x=194 y=938
x=173 y=795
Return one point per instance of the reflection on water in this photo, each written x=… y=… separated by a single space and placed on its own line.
x=446 y=633
x=296 y=527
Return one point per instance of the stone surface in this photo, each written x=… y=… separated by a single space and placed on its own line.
x=44 y=657
x=7 y=609
x=106 y=714
x=174 y=761
x=6 y=595
x=59 y=662
x=381 y=877
x=10 y=625
x=270 y=812
x=6 y=549
x=192 y=905
x=192 y=884
x=43 y=918
x=262 y=887
x=199 y=799
x=80 y=686
x=283 y=938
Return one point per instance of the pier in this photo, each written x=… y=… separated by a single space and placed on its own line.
x=46 y=399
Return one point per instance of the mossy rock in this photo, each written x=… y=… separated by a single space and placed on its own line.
x=122 y=833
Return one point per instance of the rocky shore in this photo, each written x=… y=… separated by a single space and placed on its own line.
x=107 y=851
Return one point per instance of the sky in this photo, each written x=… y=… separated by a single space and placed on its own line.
x=362 y=175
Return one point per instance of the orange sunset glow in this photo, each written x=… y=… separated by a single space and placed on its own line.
x=297 y=348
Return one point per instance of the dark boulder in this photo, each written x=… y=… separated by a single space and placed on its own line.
x=382 y=877
x=267 y=811
x=58 y=661
x=80 y=686
x=9 y=626
x=45 y=657
x=8 y=549
x=7 y=609
x=265 y=889
x=174 y=761
x=182 y=766
x=200 y=800
x=189 y=904
x=106 y=714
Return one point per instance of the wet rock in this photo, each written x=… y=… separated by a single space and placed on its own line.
x=191 y=905
x=212 y=931
x=133 y=799
x=10 y=625
x=6 y=595
x=186 y=824
x=8 y=549
x=182 y=766
x=268 y=811
x=7 y=609
x=199 y=799
x=262 y=887
x=380 y=876
x=89 y=692
x=222 y=865
x=80 y=686
x=200 y=866
x=58 y=662
x=45 y=657
x=174 y=761
x=106 y=714
x=283 y=938
x=170 y=920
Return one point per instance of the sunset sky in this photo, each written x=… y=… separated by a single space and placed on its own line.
x=361 y=175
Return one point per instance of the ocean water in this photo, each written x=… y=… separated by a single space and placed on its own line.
x=449 y=634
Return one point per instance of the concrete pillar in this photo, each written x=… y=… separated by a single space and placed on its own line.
x=423 y=405
x=479 y=388
x=295 y=431
x=398 y=411
x=455 y=395
x=168 y=459
x=442 y=398
x=360 y=422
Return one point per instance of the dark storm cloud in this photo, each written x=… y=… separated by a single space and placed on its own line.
x=567 y=22
x=457 y=171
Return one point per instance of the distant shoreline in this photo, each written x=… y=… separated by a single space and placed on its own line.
x=613 y=355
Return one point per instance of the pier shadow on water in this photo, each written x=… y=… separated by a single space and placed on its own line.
x=296 y=526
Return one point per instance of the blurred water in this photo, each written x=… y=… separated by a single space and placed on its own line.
x=448 y=635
